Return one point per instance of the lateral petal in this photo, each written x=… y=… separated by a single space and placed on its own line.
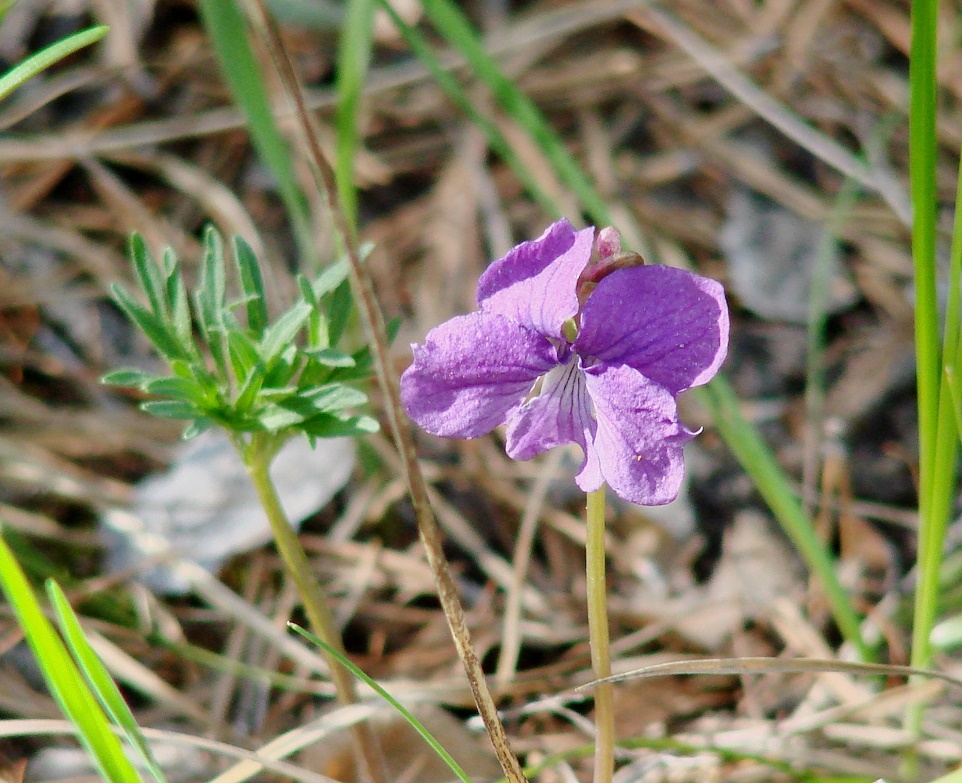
x=669 y=324
x=471 y=372
x=536 y=283
x=639 y=439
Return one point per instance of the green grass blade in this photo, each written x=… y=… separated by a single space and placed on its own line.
x=740 y=435
x=354 y=55
x=64 y=680
x=405 y=713
x=40 y=61
x=227 y=28
x=937 y=440
x=99 y=679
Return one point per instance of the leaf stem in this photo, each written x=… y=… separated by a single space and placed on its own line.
x=598 y=637
x=257 y=456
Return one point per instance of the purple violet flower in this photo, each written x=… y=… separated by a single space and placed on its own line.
x=612 y=346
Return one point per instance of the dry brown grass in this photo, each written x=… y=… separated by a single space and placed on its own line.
x=140 y=136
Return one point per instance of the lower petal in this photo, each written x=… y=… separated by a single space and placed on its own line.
x=471 y=372
x=559 y=415
x=639 y=439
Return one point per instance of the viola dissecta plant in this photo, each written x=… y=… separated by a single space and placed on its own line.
x=573 y=343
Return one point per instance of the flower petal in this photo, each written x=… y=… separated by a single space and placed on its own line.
x=561 y=414
x=669 y=324
x=535 y=284
x=639 y=440
x=471 y=372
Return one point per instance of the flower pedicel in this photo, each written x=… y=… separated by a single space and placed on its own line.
x=610 y=366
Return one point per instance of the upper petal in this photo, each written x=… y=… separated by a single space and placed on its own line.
x=668 y=323
x=639 y=440
x=536 y=283
x=471 y=372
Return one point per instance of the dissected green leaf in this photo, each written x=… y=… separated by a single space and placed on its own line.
x=280 y=334
x=129 y=376
x=179 y=388
x=195 y=428
x=210 y=296
x=243 y=354
x=177 y=301
x=153 y=328
x=250 y=388
x=330 y=279
x=326 y=425
x=275 y=418
x=252 y=284
x=332 y=397
x=281 y=373
x=317 y=331
x=149 y=276
x=171 y=409
x=340 y=305
x=330 y=357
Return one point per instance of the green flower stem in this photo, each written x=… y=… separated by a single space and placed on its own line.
x=257 y=457
x=598 y=638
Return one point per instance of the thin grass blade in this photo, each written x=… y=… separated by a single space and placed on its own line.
x=40 y=61
x=415 y=724
x=354 y=54
x=227 y=27
x=99 y=679
x=760 y=665
x=64 y=680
